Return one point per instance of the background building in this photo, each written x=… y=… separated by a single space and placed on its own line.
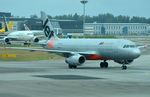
x=71 y=27
x=116 y=28
x=57 y=28
x=6 y=14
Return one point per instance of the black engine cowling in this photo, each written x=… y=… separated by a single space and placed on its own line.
x=123 y=61
x=6 y=40
x=35 y=39
x=75 y=60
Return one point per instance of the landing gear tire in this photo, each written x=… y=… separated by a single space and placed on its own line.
x=104 y=65
x=28 y=44
x=124 y=67
x=72 y=66
x=9 y=43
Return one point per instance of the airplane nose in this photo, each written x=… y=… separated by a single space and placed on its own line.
x=136 y=53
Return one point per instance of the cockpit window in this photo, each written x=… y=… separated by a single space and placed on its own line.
x=129 y=46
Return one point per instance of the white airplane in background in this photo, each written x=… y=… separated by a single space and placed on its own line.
x=77 y=51
x=28 y=36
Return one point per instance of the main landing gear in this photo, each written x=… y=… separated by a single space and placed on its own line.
x=72 y=66
x=104 y=64
x=124 y=67
x=28 y=44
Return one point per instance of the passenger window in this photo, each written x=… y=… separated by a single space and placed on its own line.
x=124 y=46
x=129 y=46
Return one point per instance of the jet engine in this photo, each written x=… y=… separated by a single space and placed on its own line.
x=123 y=61
x=35 y=39
x=75 y=60
x=6 y=40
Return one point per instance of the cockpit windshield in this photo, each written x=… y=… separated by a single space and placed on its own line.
x=129 y=46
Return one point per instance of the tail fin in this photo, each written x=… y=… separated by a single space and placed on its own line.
x=47 y=26
x=26 y=27
x=5 y=24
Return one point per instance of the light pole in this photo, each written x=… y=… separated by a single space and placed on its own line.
x=83 y=2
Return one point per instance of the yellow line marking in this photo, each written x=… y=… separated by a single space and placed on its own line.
x=8 y=56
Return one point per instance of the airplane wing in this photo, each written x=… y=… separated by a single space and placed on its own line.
x=66 y=53
x=143 y=46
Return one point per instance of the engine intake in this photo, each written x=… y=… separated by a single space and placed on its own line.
x=35 y=39
x=6 y=40
x=75 y=60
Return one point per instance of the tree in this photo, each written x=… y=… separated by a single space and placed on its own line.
x=76 y=16
x=50 y=17
x=34 y=16
x=103 y=18
x=122 y=19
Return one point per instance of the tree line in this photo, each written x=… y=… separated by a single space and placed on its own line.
x=101 y=18
x=104 y=18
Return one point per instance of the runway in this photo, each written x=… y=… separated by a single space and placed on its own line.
x=54 y=79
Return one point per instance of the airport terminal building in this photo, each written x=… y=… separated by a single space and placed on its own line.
x=116 y=28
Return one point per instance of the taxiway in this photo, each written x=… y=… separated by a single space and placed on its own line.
x=54 y=79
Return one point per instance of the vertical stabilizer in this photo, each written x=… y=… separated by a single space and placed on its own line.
x=47 y=26
x=26 y=27
x=5 y=24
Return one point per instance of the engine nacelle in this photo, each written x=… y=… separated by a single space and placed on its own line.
x=75 y=60
x=6 y=40
x=35 y=39
x=123 y=61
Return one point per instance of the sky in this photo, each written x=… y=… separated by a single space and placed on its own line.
x=26 y=8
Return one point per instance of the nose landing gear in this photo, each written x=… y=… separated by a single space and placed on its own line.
x=104 y=64
x=123 y=67
x=72 y=66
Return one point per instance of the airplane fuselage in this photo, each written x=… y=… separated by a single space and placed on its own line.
x=104 y=49
x=23 y=35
